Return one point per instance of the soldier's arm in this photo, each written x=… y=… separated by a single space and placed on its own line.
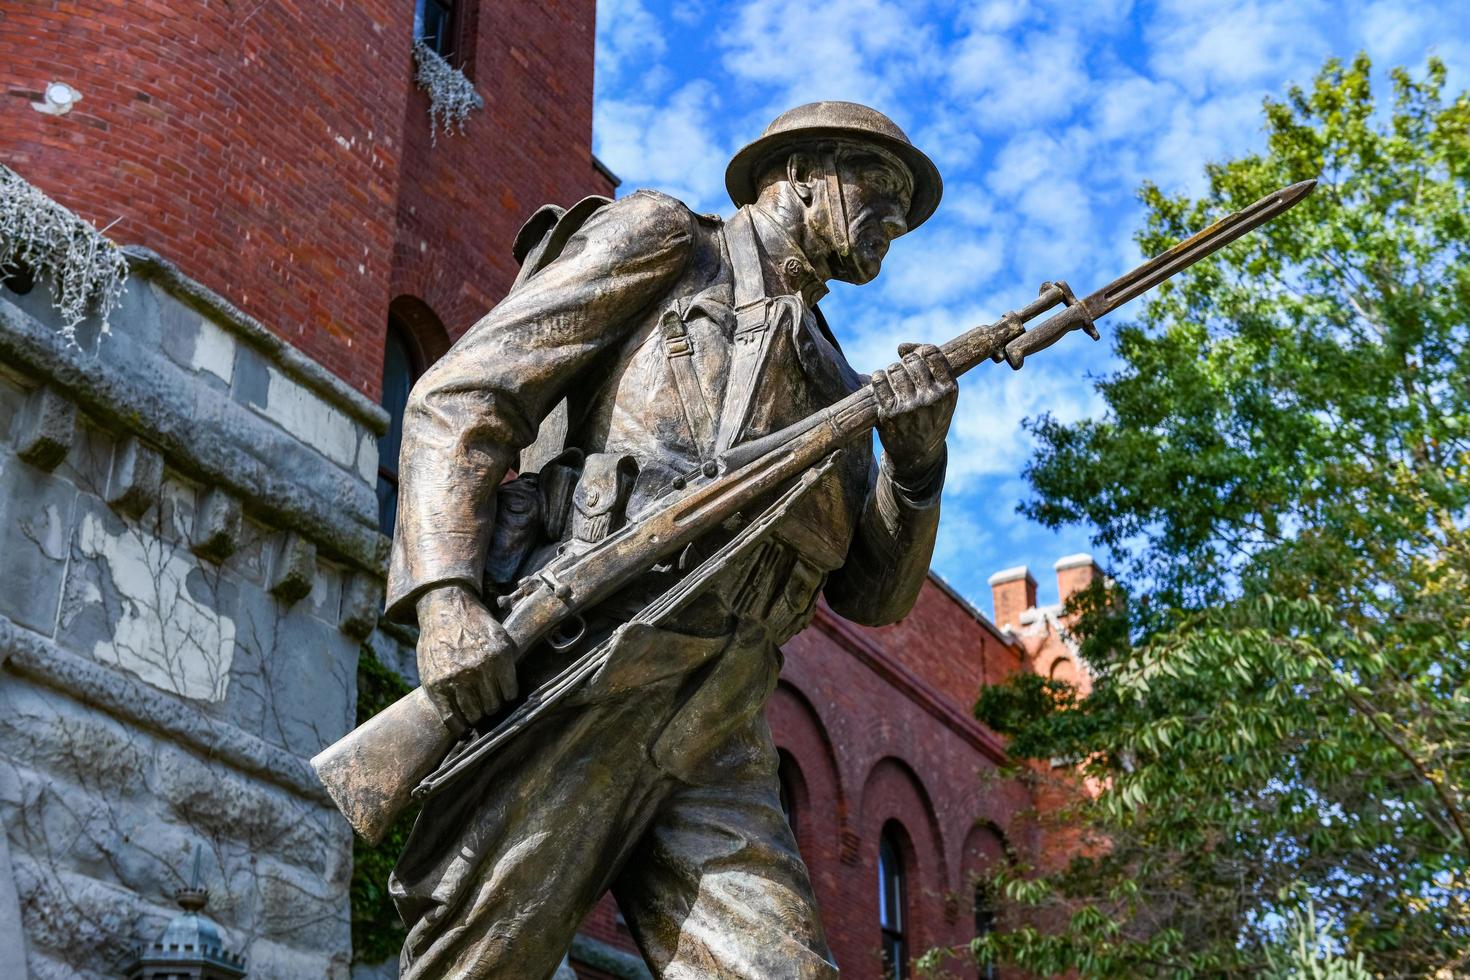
x=480 y=404
x=894 y=540
x=889 y=557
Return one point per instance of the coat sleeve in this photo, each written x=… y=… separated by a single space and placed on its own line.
x=483 y=401
x=889 y=557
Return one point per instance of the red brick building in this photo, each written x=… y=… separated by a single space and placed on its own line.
x=281 y=157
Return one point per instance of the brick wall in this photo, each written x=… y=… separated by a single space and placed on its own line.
x=879 y=725
x=278 y=152
x=462 y=201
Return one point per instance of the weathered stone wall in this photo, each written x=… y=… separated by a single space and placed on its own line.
x=189 y=561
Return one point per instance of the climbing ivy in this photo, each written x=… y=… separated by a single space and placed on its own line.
x=377 y=931
x=40 y=238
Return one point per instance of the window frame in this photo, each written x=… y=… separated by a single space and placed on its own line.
x=984 y=924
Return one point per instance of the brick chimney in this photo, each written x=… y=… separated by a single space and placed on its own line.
x=1013 y=591
x=1074 y=573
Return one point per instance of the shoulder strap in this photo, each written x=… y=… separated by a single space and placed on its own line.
x=752 y=340
x=680 y=354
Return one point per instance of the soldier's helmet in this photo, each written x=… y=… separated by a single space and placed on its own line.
x=811 y=124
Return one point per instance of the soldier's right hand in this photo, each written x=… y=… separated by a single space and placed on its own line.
x=467 y=660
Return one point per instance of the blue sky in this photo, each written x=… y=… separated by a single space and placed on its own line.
x=1044 y=118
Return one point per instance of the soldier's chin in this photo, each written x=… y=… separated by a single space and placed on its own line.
x=862 y=266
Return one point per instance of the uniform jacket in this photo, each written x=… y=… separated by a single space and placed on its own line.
x=590 y=326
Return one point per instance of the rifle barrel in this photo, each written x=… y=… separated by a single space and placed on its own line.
x=1195 y=247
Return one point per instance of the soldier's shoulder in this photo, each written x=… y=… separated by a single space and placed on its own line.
x=660 y=207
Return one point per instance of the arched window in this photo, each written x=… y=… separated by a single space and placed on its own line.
x=893 y=904
x=402 y=366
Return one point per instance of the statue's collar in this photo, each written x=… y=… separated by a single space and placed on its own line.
x=785 y=260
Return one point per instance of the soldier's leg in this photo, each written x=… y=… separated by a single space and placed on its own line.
x=501 y=869
x=716 y=888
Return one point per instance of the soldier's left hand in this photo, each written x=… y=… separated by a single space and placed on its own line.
x=916 y=400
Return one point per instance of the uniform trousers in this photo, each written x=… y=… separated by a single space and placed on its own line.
x=657 y=781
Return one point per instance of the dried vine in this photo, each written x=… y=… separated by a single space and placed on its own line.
x=87 y=271
x=451 y=93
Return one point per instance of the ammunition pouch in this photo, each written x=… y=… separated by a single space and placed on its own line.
x=601 y=498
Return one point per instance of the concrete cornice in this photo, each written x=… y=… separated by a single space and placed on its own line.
x=239 y=450
x=1009 y=575
x=97 y=686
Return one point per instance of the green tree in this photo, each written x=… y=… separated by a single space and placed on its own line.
x=1280 y=714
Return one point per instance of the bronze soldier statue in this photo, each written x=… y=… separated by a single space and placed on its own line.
x=672 y=336
x=711 y=477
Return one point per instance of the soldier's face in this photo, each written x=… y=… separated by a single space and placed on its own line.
x=876 y=197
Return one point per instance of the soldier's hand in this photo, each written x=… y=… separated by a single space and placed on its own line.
x=466 y=659
x=916 y=400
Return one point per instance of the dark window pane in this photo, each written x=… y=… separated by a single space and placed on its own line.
x=786 y=779
x=891 y=888
x=433 y=23
x=400 y=371
x=984 y=924
x=387 y=505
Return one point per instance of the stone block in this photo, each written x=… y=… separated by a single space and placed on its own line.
x=294 y=568
x=148 y=607
x=293 y=679
x=36 y=514
x=325 y=601
x=136 y=478
x=12 y=403
x=217 y=522
x=47 y=427
x=362 y=604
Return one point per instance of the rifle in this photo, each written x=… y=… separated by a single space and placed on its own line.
x=371 y=773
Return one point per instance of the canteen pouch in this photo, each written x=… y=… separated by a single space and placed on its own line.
x=517 y=530
x=558 y=481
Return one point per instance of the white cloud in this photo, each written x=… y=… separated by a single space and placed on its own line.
x=987 y=440
x=629 y=38
x=963 y=540
x=1395 y=31
x=853 y=50
x=667 y=146
x=1006 y=81
x=1207 y=46
x=941 y=267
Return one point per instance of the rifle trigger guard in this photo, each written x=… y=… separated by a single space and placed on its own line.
x=568 y=633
